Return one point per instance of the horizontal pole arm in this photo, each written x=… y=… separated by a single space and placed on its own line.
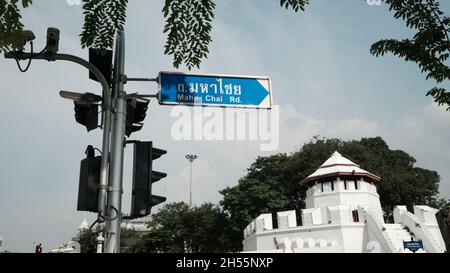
x=142 y=96
x=142 y=79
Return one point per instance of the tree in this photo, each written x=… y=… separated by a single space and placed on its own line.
x=128 y=239
x=188 y=26
x=429 y=47
x=178 y=228
x=87 y=240
x=11 y=35
x=271 y=183
x=262 y=190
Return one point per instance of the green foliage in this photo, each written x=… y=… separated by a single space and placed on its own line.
x=430 y=46
x=296 y=5
x=128 y=238
x=262 y=190
x=11 y=36
x=188 y=27
x=87 y=240
x=272 y=182
x=176 y=228
x=103 y=18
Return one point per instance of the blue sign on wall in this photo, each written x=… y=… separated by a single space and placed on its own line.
x=214 y=90
x=413 y=245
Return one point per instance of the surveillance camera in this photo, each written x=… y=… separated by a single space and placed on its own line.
x=52 y=40
x=28 y=36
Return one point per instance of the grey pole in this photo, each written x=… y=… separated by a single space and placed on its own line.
x=112 y=240
x=191 y=159
x=190 y=184
x=106 y=108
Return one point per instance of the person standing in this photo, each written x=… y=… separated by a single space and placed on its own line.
x=39 y=248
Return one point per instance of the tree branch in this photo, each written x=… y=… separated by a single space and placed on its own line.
x=444 y=29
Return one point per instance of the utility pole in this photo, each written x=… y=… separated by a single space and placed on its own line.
x=114 y=123
x=114 y=208
x=106 y=108
x=51 y=54
x=191 y=159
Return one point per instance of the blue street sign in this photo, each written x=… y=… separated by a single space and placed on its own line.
x=214 y=90
x=413 y=245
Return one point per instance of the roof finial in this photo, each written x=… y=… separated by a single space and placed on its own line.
x=336 y=153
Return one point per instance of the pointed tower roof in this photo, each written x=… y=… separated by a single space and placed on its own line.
x=84 y=225
x=338 y=165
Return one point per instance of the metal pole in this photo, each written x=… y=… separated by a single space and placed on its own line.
x=191 y=159
x=106 y=108
x=190 y=184
x=142 y=79
x=112 y=240
x=100 y=240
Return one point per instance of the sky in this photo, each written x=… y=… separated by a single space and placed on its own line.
x=324 y=81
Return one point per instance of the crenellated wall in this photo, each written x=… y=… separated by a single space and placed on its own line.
x=423 y=224
x=343 y=214
x=312 y=236
x=340 y=232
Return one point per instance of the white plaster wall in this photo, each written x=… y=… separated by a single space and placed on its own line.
x=339 y=214
x=355 y=239
x=312 y=217
x=365 y=196
x=249 y=244
x=352 y=237
x=287 y=219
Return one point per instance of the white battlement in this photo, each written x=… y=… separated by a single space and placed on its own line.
x=423 y=224
x=343 y=214
x=343 y=228
x=337 y=214
x=312 y=217
x=287 y=219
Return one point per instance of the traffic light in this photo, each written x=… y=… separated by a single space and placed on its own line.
x=136 y=113
x=86 y=114
x=89 y=181
x=103 y=61
x=142 y=199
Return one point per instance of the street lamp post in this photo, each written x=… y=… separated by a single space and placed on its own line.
x=191 y=159
x=52 y=55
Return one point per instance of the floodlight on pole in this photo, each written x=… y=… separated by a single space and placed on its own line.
x=191 y=159
x=80 y=97
x=86 y=108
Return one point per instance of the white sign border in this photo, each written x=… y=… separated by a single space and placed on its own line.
x=217 y=76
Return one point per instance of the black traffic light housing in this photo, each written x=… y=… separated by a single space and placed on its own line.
x=144 y=176
x=103 y=61
x=87 y=114
x=89 y=181
x=136 y=113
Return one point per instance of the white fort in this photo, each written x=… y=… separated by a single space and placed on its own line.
x=343 y=214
